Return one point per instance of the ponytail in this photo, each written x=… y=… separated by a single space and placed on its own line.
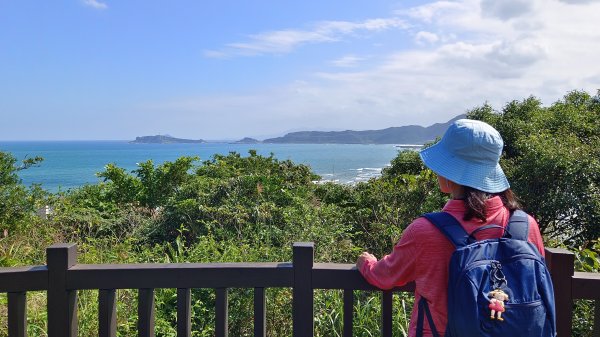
x=475 y=202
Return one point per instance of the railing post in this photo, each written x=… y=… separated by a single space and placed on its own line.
x=222 y=313
x=17 y=314
x=146 y=312
x=260 y=312
x=62 y=302
x=184 y=312
x=302 y=306
x=596 y=330
x=561 y=264
x=348 y=312
x=107 y=313
x=386 y=313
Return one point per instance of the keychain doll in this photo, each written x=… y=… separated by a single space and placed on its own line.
x=497 y=298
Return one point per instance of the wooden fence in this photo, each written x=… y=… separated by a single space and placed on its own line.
x=62 y=277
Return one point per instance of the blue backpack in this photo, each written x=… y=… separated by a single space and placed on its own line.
x=507 y=275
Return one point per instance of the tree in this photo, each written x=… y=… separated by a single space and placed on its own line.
x=16 y=201
x=406 y=162
x=552 y=159
x=151 y=185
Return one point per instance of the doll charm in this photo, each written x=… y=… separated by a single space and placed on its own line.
x=497 y=298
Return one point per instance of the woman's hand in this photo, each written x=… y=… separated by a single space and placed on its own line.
x=364 y=257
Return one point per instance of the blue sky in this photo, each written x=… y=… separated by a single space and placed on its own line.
x=105 y=69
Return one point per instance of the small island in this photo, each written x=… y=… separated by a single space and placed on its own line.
x=248 y=140
x=164 y=139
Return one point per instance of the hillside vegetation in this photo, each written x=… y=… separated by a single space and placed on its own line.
x=235 y=207
x=410 y=134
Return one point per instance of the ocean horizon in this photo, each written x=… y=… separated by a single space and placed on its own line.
x=70 y=164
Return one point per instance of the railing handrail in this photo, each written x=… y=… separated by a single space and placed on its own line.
x=62 y=277
x=181 y=275
x=30 y=278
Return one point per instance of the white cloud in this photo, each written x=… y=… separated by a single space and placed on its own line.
x=477 y=57
x=284 y=41
x=348 y=61
x=498 y=59
x=579 y=1
x=215 y=54
x=506 y=9
x=95 y=4
x=433 y=11
x=423 y=37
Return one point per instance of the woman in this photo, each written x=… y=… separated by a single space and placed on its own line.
x=466 y=161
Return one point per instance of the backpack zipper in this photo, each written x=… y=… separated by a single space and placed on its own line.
x=523 y=305
x=472 y=265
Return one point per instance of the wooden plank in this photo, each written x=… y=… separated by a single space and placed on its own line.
x=146 y=312
x=181 y=275
x=260 y=312
x=586 y=286
x=227 y=275
x=344 y=276
x=302 y=293
x=23 y=279
x=596 y=331
x=17 y=314
x=62 y=301
x=107 y=313
x=222 y=313
x=386 y=314
x=184 y=312
x=561 y=264
x=348 y=312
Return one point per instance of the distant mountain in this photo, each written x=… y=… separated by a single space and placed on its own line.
x=247 y=140
x=410 y=134
x=163 y=139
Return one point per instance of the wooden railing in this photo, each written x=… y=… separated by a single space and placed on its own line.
x=62 y=277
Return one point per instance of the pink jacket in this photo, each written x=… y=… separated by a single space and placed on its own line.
x=423 y=255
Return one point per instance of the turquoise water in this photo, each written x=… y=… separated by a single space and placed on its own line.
x=70 y=164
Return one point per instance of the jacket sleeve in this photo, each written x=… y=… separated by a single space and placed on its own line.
x=398 y=267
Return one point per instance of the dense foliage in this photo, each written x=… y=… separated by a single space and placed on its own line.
x=17 y=202
x=552 y=158
x=251 y=208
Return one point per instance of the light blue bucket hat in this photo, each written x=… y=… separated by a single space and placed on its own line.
x=468 y=154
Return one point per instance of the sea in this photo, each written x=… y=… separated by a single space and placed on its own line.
x=70 y=164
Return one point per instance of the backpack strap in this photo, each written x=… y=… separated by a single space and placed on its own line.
x=450 y=227
x=518 y=225
x=517 y=228
x=424 y=311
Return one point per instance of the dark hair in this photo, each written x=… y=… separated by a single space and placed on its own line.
x=475 y=202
